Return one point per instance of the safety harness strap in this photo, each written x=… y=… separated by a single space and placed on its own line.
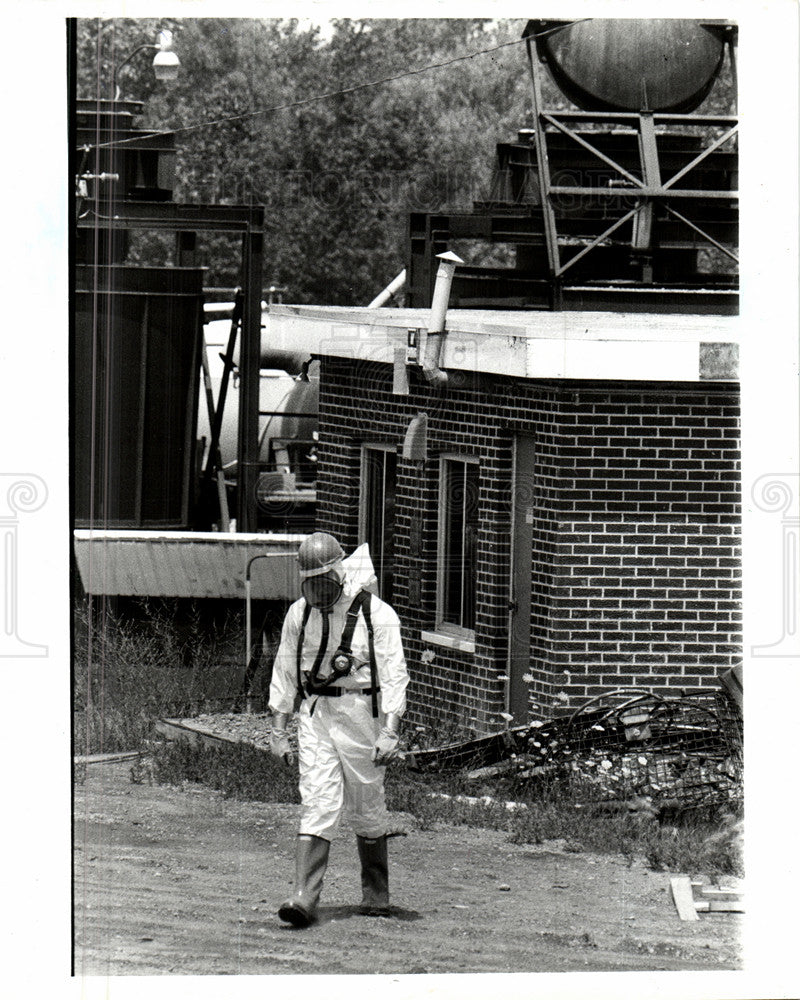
x=323 y=646
x=299 y=658
x=361 y=602
x=372 y=661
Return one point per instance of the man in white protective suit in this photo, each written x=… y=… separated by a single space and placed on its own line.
x=341 y=652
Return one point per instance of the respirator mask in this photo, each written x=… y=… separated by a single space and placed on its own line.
x=323 y=591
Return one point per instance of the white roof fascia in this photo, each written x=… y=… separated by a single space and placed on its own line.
x=529 y=344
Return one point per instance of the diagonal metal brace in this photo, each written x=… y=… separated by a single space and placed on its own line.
x=599 y=239
x=699 y=159
x=702 y=233
x=592 y=149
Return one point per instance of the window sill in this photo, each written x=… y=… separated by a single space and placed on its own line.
x=463 y=644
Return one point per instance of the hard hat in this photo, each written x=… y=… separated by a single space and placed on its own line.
x=317 y=554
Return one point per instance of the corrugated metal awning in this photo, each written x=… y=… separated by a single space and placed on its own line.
x=187 y=564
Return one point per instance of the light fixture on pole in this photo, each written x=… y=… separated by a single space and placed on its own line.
x=166 y=63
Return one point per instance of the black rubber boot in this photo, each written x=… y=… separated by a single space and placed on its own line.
x=374 y=876
x=311 y=856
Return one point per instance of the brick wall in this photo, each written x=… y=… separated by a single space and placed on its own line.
x=634 y=565
x=647 y=558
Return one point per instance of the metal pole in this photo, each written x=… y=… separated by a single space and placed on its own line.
x=248 y=625
x=117 y=89
x=214 y=453
x=247 y=621
x=734 y=73
x=394 y=286
x=142 y=414
x=216 y=426
x=250 y=364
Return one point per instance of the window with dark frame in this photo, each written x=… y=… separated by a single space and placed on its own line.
x=378 y=513
x=458 y=543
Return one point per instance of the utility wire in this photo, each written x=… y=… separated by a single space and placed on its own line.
x=336 y=93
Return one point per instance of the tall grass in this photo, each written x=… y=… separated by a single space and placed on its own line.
x=239 y=771
x=128 y=672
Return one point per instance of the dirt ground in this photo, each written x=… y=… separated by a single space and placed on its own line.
x=181 y=881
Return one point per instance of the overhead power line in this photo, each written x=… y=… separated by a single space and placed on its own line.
x=333 y=93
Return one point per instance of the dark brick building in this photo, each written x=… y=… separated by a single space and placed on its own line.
x=551 y=538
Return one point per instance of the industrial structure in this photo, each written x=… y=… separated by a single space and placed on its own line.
x=547 y=471
x=141 y=374
x=550 y=479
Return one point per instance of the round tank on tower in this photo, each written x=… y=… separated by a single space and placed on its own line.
x=618 y=64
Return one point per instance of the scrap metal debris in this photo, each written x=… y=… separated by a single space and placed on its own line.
x=482 y=751
x=629 y=744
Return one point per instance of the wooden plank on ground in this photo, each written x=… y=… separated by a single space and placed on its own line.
x=109 y=758
x=682 y=896
x=719 y=906
x=174 y=730
x=711 y=892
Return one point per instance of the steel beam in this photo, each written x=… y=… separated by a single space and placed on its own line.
x=176 y=217
x=593 y=150
x=550 y=229
x=645 y=192
x=703 y=233
x=651 y=169
x=599 y=239
x=631 y=118
x=702 y=156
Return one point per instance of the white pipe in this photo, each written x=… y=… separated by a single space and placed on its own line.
x=394 y=286
x=436 y=323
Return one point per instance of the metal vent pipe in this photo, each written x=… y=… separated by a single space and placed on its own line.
x=434 y=341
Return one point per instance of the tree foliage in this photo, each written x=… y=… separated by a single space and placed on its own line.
x=338 y=176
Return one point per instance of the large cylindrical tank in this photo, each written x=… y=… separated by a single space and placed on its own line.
x=299 y=411
x=618 y=64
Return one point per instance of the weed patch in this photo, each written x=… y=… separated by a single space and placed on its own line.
x=708 y=845
x=239 y=771
x=128 y=672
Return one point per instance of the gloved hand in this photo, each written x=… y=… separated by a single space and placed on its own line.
x=388 y=739
x=279 y=745
x=386 y=747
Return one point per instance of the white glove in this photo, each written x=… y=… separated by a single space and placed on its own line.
x=279 y=745
x=388 y=739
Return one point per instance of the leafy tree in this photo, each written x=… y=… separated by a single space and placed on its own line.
x=337 y=175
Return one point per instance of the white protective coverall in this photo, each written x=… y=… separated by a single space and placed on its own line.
x=336 y=736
